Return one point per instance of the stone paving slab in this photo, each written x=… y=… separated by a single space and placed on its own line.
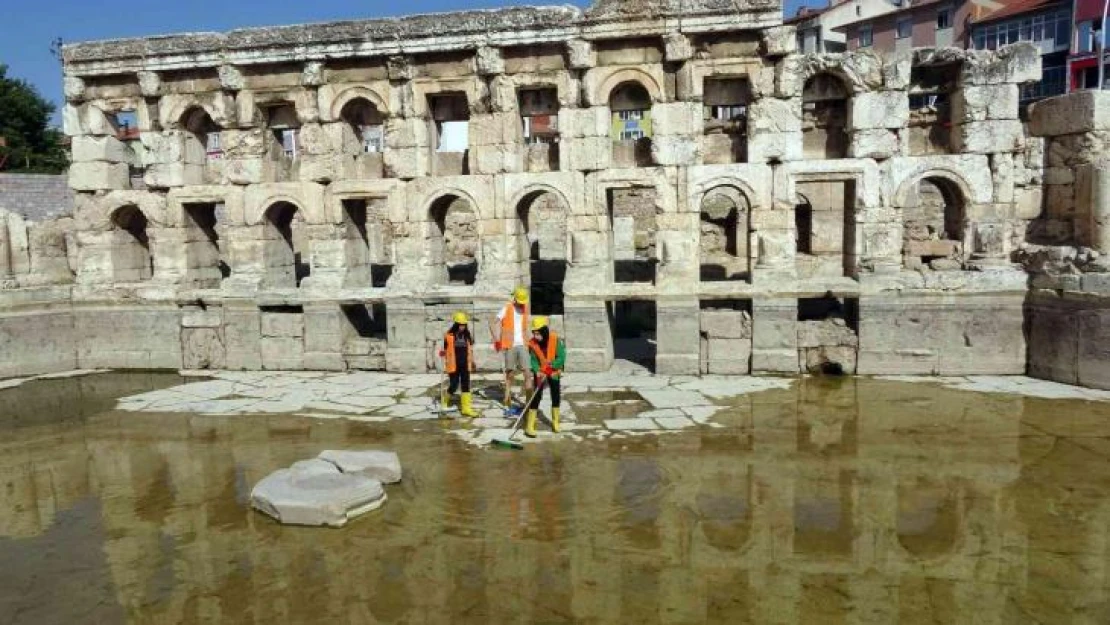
x=677 y=403
x=675 y=423
x=673 y=398
x=631 y=424
x=1011 y=384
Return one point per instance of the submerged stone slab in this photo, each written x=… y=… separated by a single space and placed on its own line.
x=309 y=495
x=671 y=398
x=383 y=466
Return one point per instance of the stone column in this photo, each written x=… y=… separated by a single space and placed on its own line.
x=775 y=335
x=405 y=352
x=589 y=336
x=678 y=347
x=1098 y=208
x=325 y=331
x=243 y=336
x=7 y=278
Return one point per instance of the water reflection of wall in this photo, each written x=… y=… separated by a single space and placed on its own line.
x=827 y=509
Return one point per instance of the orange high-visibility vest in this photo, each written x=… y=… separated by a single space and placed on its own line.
x=508 y=332
x=552 y=346
x=449 y=364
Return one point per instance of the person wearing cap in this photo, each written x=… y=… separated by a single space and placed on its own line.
x=509 y=332
x=458 y=362
x=548 y=355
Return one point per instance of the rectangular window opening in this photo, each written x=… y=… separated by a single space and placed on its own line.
x=865 y=37
x=904 y=28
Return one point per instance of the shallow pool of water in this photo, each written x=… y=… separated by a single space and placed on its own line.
x=836 y=501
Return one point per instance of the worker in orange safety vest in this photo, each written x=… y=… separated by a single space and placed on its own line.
x=458 y=362
x=509 y=332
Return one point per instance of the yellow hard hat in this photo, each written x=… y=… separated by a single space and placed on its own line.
x=460 y=317
x=520 y=295
x=539 y=322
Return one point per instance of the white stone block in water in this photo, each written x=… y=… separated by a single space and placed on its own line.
x=383 y=466
x=308 y=495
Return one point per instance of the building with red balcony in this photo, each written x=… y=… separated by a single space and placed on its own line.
x=1083 y=61
x=977 y=25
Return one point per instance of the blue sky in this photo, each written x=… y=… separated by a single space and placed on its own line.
x=28 y=26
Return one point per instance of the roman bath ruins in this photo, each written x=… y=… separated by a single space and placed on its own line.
x=678 y=187
x=264 y=234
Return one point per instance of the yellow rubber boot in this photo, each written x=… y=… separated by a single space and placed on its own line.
x=530 y=424
x=466 y=406
x=445 y=401
x=555 y=420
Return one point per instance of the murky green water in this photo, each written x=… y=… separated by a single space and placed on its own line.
x=857 y=501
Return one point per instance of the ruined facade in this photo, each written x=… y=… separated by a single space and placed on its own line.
x=691 y=194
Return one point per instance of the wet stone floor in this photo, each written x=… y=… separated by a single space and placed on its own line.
x=124 y=499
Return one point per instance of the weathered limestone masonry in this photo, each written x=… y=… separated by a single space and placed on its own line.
x=1069 y=242
x=673 y=180
x=37 y=263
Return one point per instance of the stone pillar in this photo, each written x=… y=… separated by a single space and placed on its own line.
x=168 y=247
x=775 y=335
x=328 y=253
x=325 y=331
x=7 y=278
x=678 y=343
x=405 y=351
x=1098 y=207
x=243 y=336
x=589 y=336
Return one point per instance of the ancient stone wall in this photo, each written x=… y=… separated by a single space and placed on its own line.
x=326 y=205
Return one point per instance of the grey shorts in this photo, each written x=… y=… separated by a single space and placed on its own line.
x=517 y=359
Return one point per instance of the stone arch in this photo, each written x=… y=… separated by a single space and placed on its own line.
x=284 y=245
x=725 y=506
x=724 y=234
x=929 y=521
x=100 y=217
x=529 y=193
x=542 y=214
x=951 y=176
x=698 y=191
x=311 y=212
x=452 y=238
x=355 y=93
x=825 y=100
x=202 y=136
x=630 y=127
x=935 y=227
x=363 y=126
x=132 y=259
x=629 y=74
x=177 y=108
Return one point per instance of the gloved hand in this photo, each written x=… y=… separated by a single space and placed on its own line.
x=497 y=346
x=442 y=353
x=547 y=370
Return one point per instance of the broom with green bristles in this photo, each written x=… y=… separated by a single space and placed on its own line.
x=509 y=443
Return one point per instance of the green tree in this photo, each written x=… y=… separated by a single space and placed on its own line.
x=27 y=143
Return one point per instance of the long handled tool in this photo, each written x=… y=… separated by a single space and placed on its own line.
x=509 y=442
x=437 y=403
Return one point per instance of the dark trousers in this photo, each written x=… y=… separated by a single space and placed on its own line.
x=461 y=374
x=551 y=383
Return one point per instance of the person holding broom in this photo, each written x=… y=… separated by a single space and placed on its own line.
x=458 y=362
x=549 y=354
